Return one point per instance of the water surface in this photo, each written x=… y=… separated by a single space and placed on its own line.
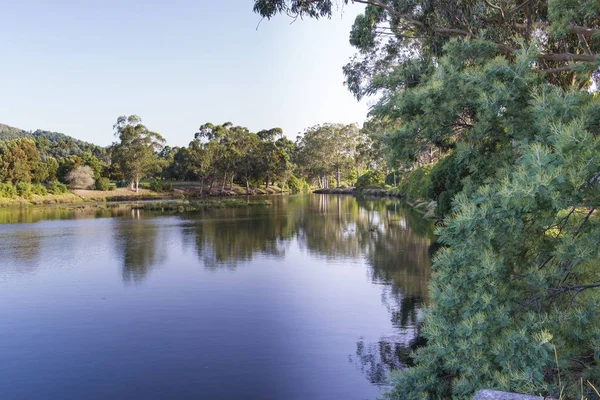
x=316 y=297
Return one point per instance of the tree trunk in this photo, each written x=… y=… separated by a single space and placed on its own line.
x=231 y=186
x=212 y=182
x=224 y=180
x=267 y=182
x=201 y=186
x=137 y=184
x=247 y=186
x=338 y=177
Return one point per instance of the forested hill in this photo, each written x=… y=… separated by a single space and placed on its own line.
x=54 y=144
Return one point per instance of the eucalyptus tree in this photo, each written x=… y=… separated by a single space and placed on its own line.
x=137 y=150
x=327 y=150
x=273 y=154
x=392 y=32
x=224 y=144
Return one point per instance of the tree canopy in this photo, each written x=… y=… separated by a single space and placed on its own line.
x=136 y=152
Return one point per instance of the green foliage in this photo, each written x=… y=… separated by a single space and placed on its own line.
x=137 y=148
x=160 y=186
x=518 y=274
x=8 y=191
x=328 y=153
x=446 y=181
x=23 y=190
x=298 y=185
x=39 y=189
x=371 y=179
x=416 y=183
x=55 y=187
x=20 y=162
x=102 y=184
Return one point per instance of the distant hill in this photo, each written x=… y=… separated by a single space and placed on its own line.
x=54 y=144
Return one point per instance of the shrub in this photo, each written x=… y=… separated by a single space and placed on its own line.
x=112 y=187
x=81 y=178
x=298 y=185
x=371 y=179
x=7 y=190
x=24 y=189
x=102 y=184
x=415 y=183
x=159 y=186
x=38 y=189
x=55 y=187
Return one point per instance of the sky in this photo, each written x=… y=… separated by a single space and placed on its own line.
x=74 y=67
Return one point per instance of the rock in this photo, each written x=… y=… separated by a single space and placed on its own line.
x=430 y=214
x=494 y=395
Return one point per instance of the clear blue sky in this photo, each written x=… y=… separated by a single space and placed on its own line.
x=74 y=67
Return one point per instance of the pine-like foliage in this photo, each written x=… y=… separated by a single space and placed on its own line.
x=519 y=275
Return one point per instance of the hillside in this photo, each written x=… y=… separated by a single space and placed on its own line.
x=53 y=144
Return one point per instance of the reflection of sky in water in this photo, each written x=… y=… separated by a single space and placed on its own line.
x=289 y=301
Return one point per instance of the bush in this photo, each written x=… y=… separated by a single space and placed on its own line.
x=81 y=178
x=55 y=187
x=7 y=191
x=371 y=179
x=112 y=187
x=159 y=186
x=102 y=184
x=38 y=189
x=416 y=183
x=298 y=185
x=23 y=189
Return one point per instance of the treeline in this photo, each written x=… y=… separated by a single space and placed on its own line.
x=217 y=158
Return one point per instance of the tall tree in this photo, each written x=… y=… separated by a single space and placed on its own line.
x=136 y=152
x=393 y=32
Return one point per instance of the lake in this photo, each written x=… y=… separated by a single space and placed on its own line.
x=314 y=297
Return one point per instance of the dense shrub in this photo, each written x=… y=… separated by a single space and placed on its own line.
x=298 y=185
x=416 y=183
x=55 y=187
x=160 y=186
x=39 y=189
x=371 y=179
x=7 y=190
x=81 y=178
x=23 y=189
x=102 y=184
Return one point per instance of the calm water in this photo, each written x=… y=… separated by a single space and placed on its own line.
x=316 y=297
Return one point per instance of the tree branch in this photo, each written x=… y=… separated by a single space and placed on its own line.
x=495 y=7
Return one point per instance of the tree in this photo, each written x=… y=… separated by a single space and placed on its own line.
x=395 y=32
x=507 y=90
x=519 y=273
x=20 y=162
x=327 y=150
x=137 y=149
x=81 y=178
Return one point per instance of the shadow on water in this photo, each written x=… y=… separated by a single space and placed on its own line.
x=394 y=241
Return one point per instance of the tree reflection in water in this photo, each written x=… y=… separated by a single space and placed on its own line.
x=393 y=239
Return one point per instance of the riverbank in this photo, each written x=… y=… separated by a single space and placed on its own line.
x=180 y=191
